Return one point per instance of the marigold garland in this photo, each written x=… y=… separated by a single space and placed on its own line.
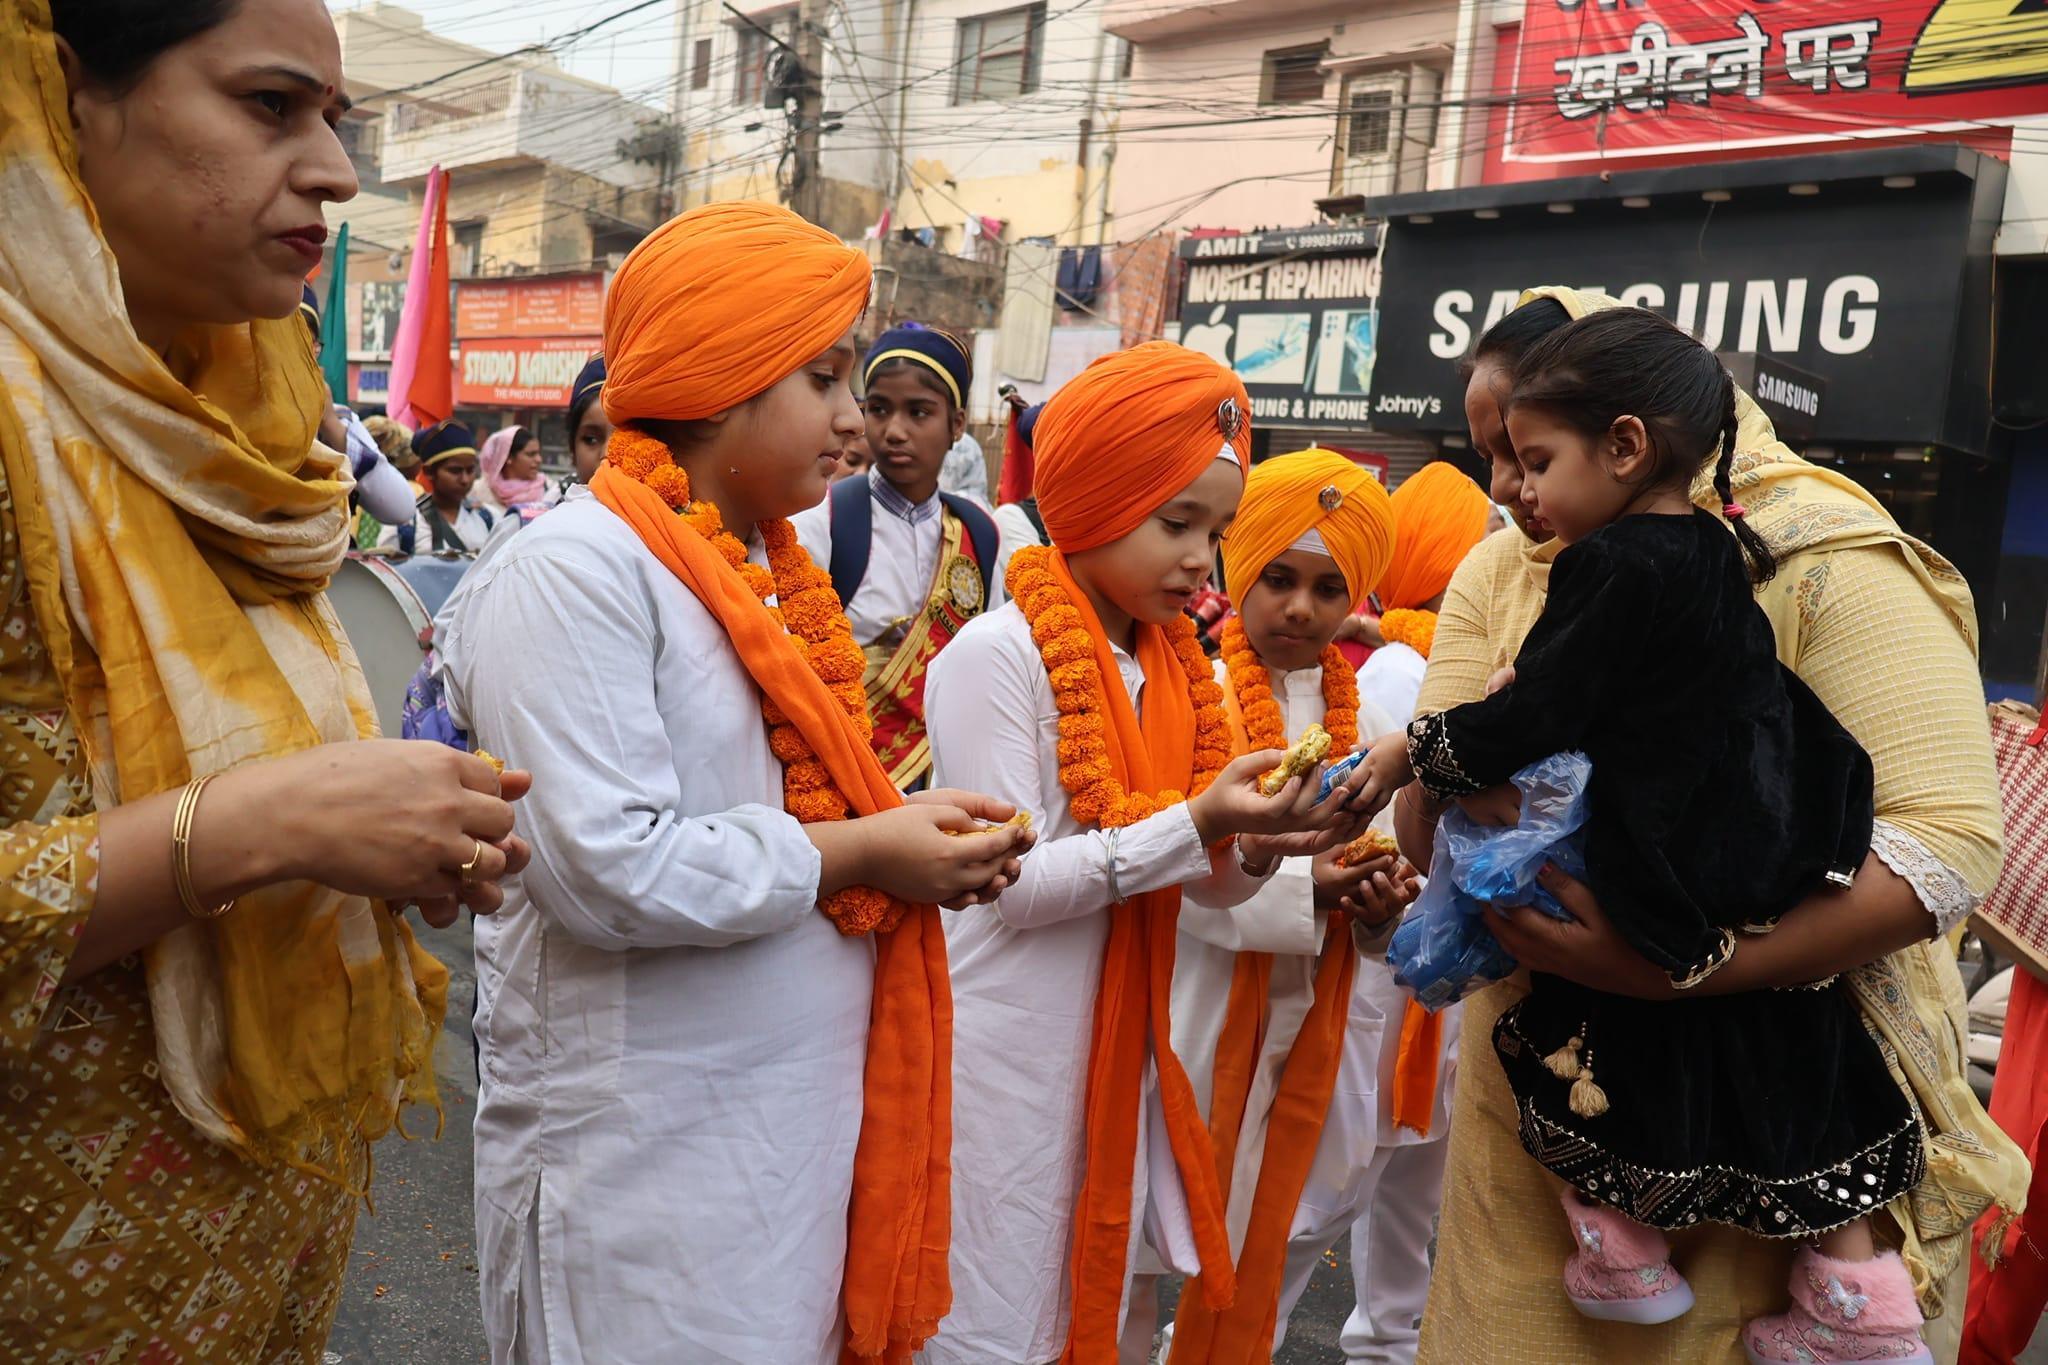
x=1405 y=626
x=1093 y=792
x=1264 y=724
x=808 y=609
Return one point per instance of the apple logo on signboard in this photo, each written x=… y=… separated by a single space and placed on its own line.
x=1212 y=338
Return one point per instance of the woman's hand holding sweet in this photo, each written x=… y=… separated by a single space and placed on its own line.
x=397 y=820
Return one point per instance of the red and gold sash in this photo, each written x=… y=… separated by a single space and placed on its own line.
x=895 y=676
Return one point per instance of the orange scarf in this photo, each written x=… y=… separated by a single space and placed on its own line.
x=1130 y=1008
x=900 y=1220
x=1243 y=1333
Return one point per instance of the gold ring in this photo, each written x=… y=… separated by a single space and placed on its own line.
x=469 y=868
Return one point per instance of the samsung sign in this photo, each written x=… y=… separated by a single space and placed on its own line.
x=1880 y=296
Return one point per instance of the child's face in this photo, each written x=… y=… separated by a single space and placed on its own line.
x=910 y=428
x=1570 y=481
x=1292 y=612
x=854 y=460
x=452 y=479
x=785 y=444
x=1152 y=573
x=593 y=432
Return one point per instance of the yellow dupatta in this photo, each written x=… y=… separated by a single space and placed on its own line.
x=178 y=527
x=1913 y=998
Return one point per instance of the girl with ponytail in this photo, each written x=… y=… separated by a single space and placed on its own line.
x=1723 y=793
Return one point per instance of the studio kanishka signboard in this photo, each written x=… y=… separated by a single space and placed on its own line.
x=522 y=341
x=1292 y=313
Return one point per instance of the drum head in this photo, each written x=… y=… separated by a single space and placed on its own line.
x=385 y=621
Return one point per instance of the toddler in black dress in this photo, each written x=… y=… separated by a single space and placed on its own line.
x=1723 y=793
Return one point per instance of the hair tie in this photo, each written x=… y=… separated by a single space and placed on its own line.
x=1734 y=511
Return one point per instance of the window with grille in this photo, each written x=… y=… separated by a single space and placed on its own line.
x=758 y=47
x=1293 y=75
x=469 y=249
x=1386 y=130
x=997 y=55
x=1369 y=123
x=700 y=65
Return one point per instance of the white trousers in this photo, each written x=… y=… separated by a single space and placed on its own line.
x=1389 y=1255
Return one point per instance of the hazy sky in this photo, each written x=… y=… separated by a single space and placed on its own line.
x=636 y=53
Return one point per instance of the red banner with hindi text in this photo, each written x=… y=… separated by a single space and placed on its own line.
x=1593 y=82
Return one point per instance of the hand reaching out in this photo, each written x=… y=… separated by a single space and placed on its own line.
x=1372 y=892
x=1385 y=771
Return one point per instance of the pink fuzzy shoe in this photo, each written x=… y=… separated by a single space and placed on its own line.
x=1842 y=1311
x=1622 y=1271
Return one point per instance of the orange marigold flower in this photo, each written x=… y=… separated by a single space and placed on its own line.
x=1415 y=629
x=1264 y=722
x=839 y=661
x=1083 y=725
x=1059 y=627
x=820 y=635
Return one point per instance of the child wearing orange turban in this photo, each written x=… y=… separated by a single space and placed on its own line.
x=1262 y=993
x=1087 y=701
x=722 y=1025
x=1440 y=514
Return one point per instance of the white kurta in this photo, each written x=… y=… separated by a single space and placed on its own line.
x=1025 y=976
x=1014 y=531
x=1282 y=920
x=903 y=559
x=1392 y=677
x=470 y=529
x=672 y=1035
x=1404 y=1186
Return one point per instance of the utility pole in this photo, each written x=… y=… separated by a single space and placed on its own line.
x=806 y=192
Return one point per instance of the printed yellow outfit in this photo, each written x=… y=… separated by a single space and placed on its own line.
x=180 y=1131
x=1884 y=632
x=122 y=1229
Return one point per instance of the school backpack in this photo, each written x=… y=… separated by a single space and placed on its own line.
x=853 y=536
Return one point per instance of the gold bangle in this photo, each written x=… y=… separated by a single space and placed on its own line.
x=181 y=853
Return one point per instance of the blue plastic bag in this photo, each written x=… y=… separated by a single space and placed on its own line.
x=1441 y=951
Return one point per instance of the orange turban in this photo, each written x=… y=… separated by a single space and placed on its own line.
x=1439 y=515
x=1311 y=490
x=720 y=304
x=1126 y=434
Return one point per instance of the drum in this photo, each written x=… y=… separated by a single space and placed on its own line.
x=433 y=577
x=389 y=627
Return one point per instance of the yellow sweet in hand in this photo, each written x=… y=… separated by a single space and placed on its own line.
x=497 y=764
x=1021 y=820
x=1368 y=846
x=1299 y=762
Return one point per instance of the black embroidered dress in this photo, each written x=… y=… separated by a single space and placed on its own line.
x=1723 y=792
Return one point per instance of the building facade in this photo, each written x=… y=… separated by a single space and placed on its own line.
x=552 y=179
x=1842 y=199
